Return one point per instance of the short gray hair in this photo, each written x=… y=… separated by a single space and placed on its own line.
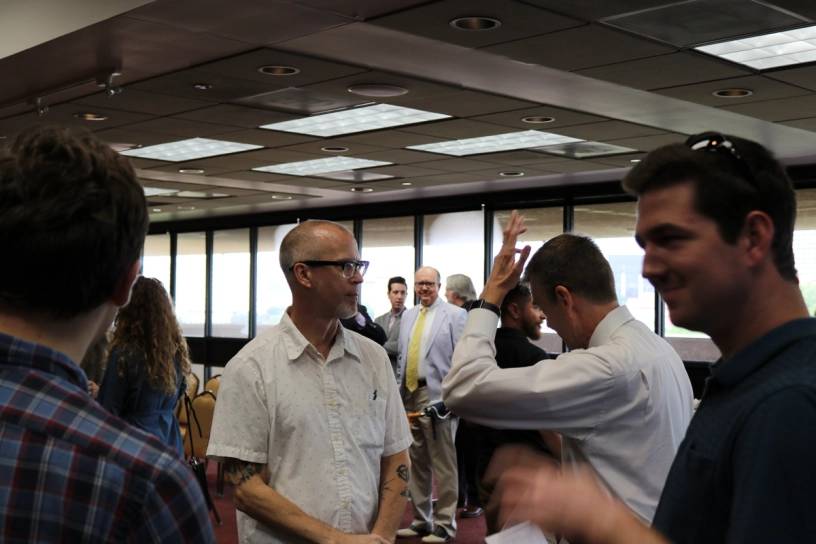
x=299 y=244
x=461 y=286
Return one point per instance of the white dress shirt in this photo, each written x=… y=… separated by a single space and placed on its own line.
x=321 y=425
x=622 y=405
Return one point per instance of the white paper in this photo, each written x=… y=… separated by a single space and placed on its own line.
x=523 y=533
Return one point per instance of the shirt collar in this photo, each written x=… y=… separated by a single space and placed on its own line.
x=296 y=343
x=608 y=325
x=17 y=352
x=729 y=372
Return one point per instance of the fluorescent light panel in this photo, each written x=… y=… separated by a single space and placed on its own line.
x=320 y=166
x=768 y=50
x=356 y=175
x=500 y=142
x=186 y=150
x=356 y=120
x=158 y=191
x=585 y=150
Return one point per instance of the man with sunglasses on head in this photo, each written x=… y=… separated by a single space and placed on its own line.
x=428 y=334
x=309 y=421
x=715 y=218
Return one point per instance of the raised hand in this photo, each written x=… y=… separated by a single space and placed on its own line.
x=506 y=269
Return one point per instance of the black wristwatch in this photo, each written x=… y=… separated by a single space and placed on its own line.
x=482 y=303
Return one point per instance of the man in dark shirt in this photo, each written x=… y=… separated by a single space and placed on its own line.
x=72 y=224
x=715 y=218
x=520 y=322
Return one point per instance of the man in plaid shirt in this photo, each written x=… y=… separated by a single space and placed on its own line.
x=72 y=224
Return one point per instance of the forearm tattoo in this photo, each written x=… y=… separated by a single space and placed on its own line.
x=402 y=472
x=239 y=472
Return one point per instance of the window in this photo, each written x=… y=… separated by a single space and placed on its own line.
x=454 y=244
x=389 y=245
x=542 y=224
x=612 y=227
x=156 y=258
x=191 y=274
x=804 y=245
x=230 y=284
x=272 y=291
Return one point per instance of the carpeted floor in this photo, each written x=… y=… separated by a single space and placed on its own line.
x=471 y=531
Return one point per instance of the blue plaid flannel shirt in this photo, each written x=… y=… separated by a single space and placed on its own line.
x=72 y=472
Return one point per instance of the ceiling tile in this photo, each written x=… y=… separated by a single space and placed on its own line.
x=417 y=88
x=803 y=76
x=577 y=48
x=142 y=102
x=458 y=165
x=590 y=10
x=183 y=83
x=804 y=124
x=467 y=103
x=608 y=130
x=457 y=129
x=176 y=128
x=266 y=138
x=562 y=118
x=63 y=115
x=403 y=171
x=391 y=138
x=574 y=166
x=652 y=73
x=445 y=179
x=361 y=10
x=783 y=109
x=521 y=157
x=241 y=116
x=648 y=143
x=518 y=21
x=763 y=88
x=397 y=156
x=355 y=149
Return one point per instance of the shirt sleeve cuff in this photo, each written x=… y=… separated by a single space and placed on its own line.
x=481 y=322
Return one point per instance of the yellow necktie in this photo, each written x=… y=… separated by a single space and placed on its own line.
x=412 y=368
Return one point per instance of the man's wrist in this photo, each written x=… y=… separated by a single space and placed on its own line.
x=493 y=294
x=482 y=303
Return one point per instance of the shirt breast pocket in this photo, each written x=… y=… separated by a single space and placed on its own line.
x=369 y=425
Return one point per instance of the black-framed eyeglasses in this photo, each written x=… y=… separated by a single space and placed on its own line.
x=716 y=142
x=349 y=268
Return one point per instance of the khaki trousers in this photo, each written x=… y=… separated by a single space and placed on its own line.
x=432 y=457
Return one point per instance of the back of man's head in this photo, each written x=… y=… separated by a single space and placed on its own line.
x=576 y=263
x=462 y=286
x=72 y=222
x=731 y=176
x=519 y=295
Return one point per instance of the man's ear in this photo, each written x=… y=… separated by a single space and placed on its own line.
x=563 y=296
x=514 y=310
x=121 y=291
x=757 y=236
x=301 y=274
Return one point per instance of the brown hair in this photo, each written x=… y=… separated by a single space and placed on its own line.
x=147 y=327
x=72 y=221
x=576 y=263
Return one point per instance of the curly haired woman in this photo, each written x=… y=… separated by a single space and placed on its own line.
x=148 y=361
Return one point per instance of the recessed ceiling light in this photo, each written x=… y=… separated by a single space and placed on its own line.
x=500 y=142
x=356 y=176
x=334 y=149
x=278 y=70
x=634 y=161
x=185 y=208
x=537 y=119
x=191 y=170
x=356 y=120
x=202 y=86
x=320 y=166
x=377 y=90
x=190 y=149
x=511 y=174
x=406 y=183
x=361 y=190
x=732 y=93
x=157 y=210
x=584 y=150
x=90 y=116
x=281 y=197
x=768 y=50
x=475 y=23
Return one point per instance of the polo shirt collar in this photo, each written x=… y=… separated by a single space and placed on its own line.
x=608 y=325
x=730 y=372
x=296 y=343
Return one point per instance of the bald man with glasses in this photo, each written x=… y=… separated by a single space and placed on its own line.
x=309 y=420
